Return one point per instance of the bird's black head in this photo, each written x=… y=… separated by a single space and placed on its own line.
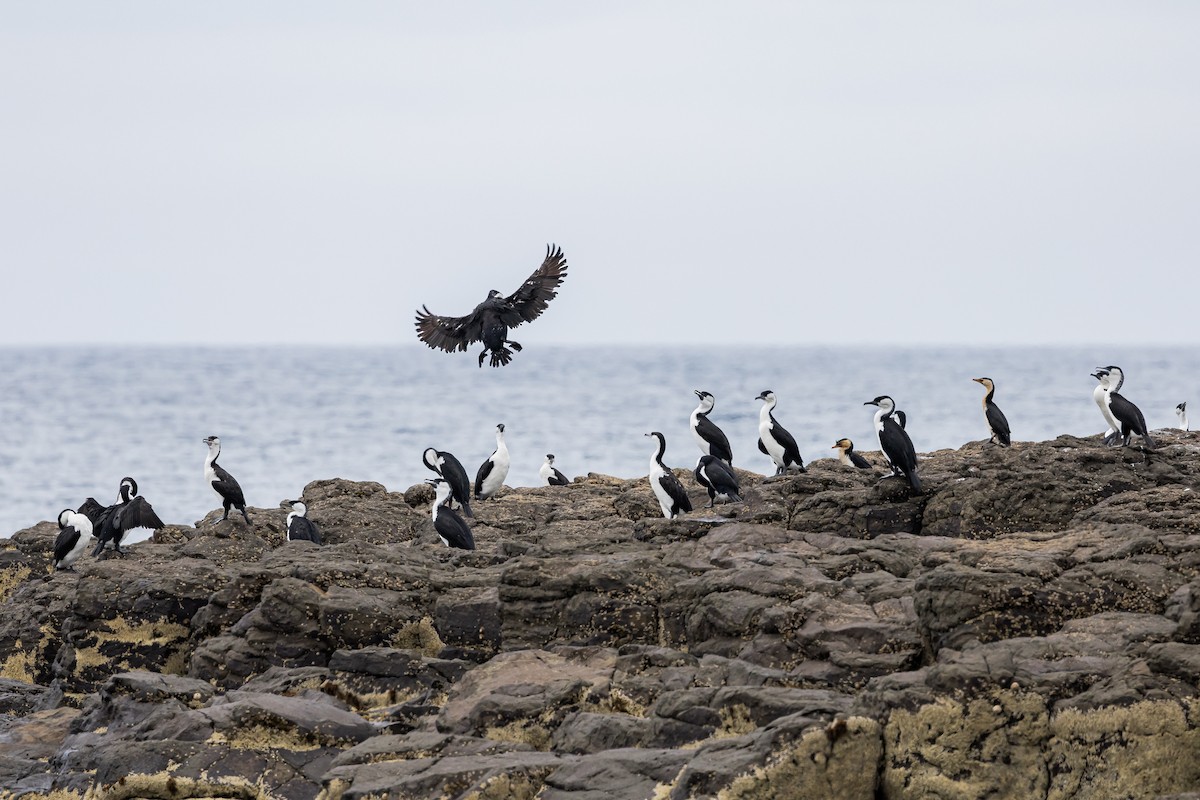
x=878 y=401
x=657 y=435
x=1181 y=407
x=128 y=489
x=550 y=457
x=500 y=428
x=213 y=441
x=766 y=394
x=62 y=517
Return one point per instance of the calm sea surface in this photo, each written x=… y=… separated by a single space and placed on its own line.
x=74 y=421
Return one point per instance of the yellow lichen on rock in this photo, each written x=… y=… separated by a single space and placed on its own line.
x=11 y=578
x=420 y=636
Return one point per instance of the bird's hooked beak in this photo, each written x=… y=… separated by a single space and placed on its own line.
x=870 y=403
x=978 y=380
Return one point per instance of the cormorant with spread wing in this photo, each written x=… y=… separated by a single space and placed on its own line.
x=491 y=319
x=110 y=523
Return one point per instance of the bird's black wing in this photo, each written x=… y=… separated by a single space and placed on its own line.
x=676 y=491
x=303 y=528
x=227 y=486
x=456 y=476
x=66 y=540
x=92 y=510
x=999 y=424
x=137 y=513
x=451 y=527
x=449 y=333
x=858 y=461
x=762 y=448
x=716 y=438
x=538 y=289
x=721 y=478
x=558 y=479
x=791 y=450
x=485 y=469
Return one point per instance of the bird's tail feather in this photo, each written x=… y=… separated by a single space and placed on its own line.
x=914 y=481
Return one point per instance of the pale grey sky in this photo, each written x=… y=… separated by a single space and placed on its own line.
x=796 y=172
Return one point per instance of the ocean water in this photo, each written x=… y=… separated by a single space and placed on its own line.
x=75 y=420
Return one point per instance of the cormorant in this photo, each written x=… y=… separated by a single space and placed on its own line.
x=893 y=440
x=773 y=440
x=1100 y=396
x=111 y=523
x=74 y=537
x=719 y=479
x=848 y=456
x=996 y=420
x=550 y=474
x=491 y=319
x=222 y=482
x=494 y=470
x=450 y=468
x=450 y=527
x=1181 y=412
x=299 y=526
x=672 y=497
x=712 y=440
x=1126 y=413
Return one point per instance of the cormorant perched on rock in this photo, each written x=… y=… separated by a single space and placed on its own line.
x=719 y=479
x=110 y=523
x=492 y=472
x=672 y=497
x=224 y=484
x=74 y=537
x=299 y=527
x=1181 y=412
x=848 y=456
x=893 y=440
x=1126 y=413
x=1100 y=396
x=712 y=440
x=550 y=474
x=491 y=319
x=996 y=421
x=450 y=468
x=773 y=440
x=450 y=527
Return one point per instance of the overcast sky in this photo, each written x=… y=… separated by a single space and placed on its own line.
x=792 y=172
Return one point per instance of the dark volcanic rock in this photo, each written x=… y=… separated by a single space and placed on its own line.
x=1029 y=626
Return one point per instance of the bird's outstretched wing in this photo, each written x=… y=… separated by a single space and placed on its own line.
x=448 y=333
x=92 y=510
x=539 y=288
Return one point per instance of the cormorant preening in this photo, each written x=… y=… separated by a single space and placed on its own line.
x=1181 y=412
x=492 y=318
x=773 y=440
x=299 y=526
x=74 y=537
x=718 y=478
x=222 y=482
x=848 y=456
x=1100 y=396
x=672 y=498
x=893 y=440
x=492 y=472
x=110 y=523
x=712 y=440
x=996 y=420
x=450 y=468
x=1126 y=413
x=550 y=473
x=450 y=527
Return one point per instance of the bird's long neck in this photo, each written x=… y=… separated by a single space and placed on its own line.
x=501 y=447
x=764 y=413
x=213 y=452
x=880 y=415
x=662 y=449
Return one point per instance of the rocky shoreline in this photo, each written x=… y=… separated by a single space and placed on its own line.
x=1029 y=627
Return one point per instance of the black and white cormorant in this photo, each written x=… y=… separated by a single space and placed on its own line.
x=712 y=440
x=111 y=523
x=491 y=319
x=894 y=442
x=494 y=470
x=1125 y=412
x=719 y=479
x=672 y=497
x=74 y=538
x=774 y=440
x=1181 y=412
x=299 y=527
x=848 y=456
x=1100 y=396
x=222 y=482
x=450 y=468
x=996 y=421
x=450 y=527
x=550 y=474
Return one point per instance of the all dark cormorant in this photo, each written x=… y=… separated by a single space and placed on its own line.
x=719 y=479
x=996 y=420
x=299 y=526
x=450 y=527
x=848 y=456
x=672 y=497
x=450 y=468
x=74 y=537
x=1125 y=412
x=712 y=440
x=110 y=524
x=222 y=482
x=893 y=440
x=773 y=440
x=494 y=470
x=491 y=319
x=550 y=474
